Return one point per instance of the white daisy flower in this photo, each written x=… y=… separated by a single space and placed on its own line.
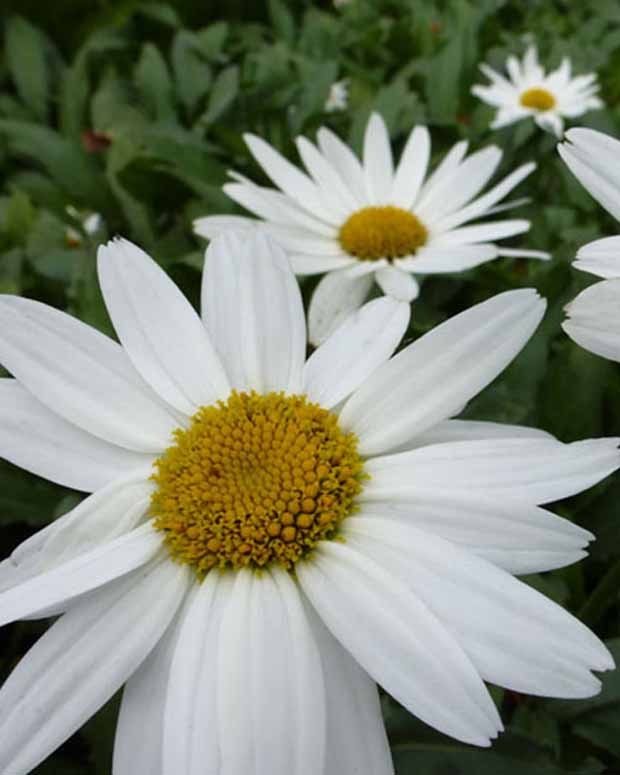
x=529 y=92
x=594 y=316
x=361 y=222
x=267 y=537
x=338 y=97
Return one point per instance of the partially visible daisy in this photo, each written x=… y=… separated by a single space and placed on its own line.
x=594 y=316
x=366 y=221
x=338 y=97
x=529 y=92
x=268 y=536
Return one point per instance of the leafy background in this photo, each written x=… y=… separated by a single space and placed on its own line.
x=135 y=110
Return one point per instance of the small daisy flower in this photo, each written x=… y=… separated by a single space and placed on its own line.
x=338 y=97
x=594 y=316
x=365 y=221
x=529 y=92
x=268 y=536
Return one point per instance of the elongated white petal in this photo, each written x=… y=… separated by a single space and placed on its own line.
x=107 y=514
x=266 y=649
x=515 y=636
x=378 y=164
x=289 y=178
x=601 y=257
x=594 y=319
x=483 y=232
x=305 y=264
x=140 y=727
x=594 y=170
x=527 y=470
x=345 y=161
x=299 y=240
x=211 y=226
x=336 y=193
x=435 y=259
x=81 y=574
x=161 y=333
x=336 y=296
x=253 y=310
x=444 y=169
x=399 y=642
x=365 y=340
x=82 y=375
x=397 y=283
x=82 y=660
x=411 y=168
x=34 y=438
x=518 y=537
x=455 y=190
x=434 y=377
x=356 y=740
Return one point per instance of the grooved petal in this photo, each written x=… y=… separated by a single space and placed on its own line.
x=601 y=257
x=411 y=168
x=82 y=661
x=335 y=297
x=378 y=164
x=81 y=375
x=161 y=333
x=34 y=438
x=594 y=319
x=434 y=377
x=253 y=310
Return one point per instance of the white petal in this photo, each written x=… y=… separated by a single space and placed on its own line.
x=551 y=122
x=356 y=739
x=335 y=297
x=411 y=168
x=315 y=264
x=266 y=649
x=594 y=319
x=82 y=660
x=456 y=189
x=514 y=636
x=253 y=311
x=431 y=379
x=518 y=537
x=289 y=178
x=398 y=641
x=81 y=574
x=527 y=470
x=82 y=375
x=522 y=253
x=297 y=240
x=481 y=232
x=161 y=333
x=592 y=163
x=345 y=161
x=378 y=164
x=445 y=169
x=34 y=438
x=365 y=340
x=601 y=257
x=335 y=192
x=210 y=226
x=397 y=283
x=140 y=726
x=433 y=259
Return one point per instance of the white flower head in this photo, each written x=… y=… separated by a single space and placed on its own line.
x=338 y=97
x=220 y=460
x=594 y=316
x=360 y=221
x=530 y=92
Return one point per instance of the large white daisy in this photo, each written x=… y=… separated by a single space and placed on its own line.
x=365 y=221
x=594 y=316
x=267 y=537
x=529 y=92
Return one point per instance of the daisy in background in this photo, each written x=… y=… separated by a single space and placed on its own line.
x=362 y=222
x=529 y=92
x=267 y=537
x=594 y=316
x=338 y=97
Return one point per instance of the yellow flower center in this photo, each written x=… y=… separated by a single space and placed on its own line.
x=254 y=480
x=382 y=232
x=537 y=99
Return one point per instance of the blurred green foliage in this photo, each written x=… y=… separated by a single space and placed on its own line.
x=135 y=110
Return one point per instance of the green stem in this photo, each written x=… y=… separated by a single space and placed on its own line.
x=604 y=595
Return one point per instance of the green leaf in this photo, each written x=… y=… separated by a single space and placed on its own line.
x=26 y=58
x=155 y=84
x=223 y=93
x=211 y=39
x=191 y=73
x=282 y=20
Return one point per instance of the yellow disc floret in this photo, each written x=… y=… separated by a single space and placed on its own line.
x=538 y=99
x=382 y=232
x=254 y=480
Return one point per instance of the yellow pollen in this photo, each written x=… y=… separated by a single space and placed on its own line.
x=538 y=99
x=382 y=232
x=233 y=491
